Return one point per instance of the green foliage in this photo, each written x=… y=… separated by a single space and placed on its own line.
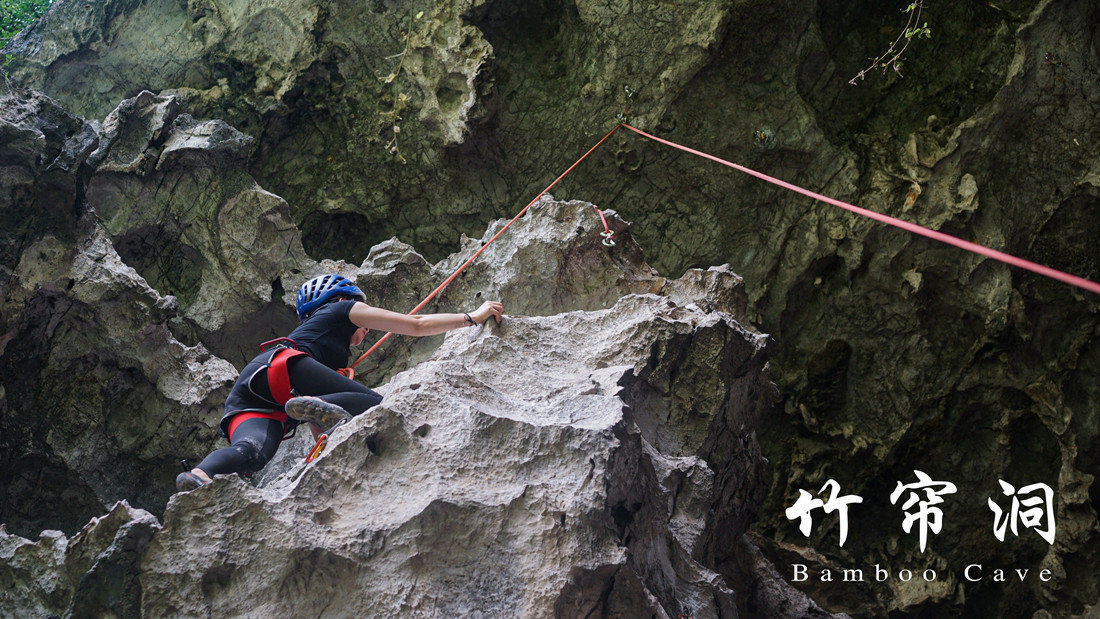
x=16 y=15
x=891 y=58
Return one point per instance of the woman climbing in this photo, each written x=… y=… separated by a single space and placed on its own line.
x=296 y=379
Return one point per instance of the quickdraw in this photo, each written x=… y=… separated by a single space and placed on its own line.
x=322 y=441
x=318 y=447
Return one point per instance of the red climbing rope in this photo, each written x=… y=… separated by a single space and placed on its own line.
x=606 y=235
x=1061 y=276
x=1073 y=280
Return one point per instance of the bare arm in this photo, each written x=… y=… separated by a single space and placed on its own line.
x=364 y=315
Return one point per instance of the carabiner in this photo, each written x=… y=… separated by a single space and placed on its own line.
x=608 y=238
x=318 y=447
x=322 y=442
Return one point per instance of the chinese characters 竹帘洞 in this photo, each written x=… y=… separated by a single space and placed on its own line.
x=1031 y=507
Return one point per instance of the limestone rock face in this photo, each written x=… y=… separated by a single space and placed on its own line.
x=41 y=148
x=419 y=89
x=553 y=466
x=977 y=372
x=97 y=398
x=553 y=260
x=180 y=206
x=100 y=400
x=92 y=574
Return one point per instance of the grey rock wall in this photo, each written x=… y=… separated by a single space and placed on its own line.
x=97 y=396
x=893 y=353
x=595 y=453
x=94 y=573
x=491 y=482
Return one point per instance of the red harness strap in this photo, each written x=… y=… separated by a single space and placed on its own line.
x=244 y=416
x=278 y=382
x=278 y=379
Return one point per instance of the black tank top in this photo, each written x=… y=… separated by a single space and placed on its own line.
x=326 y=335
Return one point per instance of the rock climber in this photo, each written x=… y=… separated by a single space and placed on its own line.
x=296 y=380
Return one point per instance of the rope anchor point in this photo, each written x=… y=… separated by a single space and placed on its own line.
x=607 y=234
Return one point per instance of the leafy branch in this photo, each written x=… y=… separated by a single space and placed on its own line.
x=16 y=15
x=891 y=58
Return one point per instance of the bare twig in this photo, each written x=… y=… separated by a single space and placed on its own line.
x=892 y=56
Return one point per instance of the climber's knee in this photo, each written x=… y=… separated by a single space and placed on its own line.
x=253 y=455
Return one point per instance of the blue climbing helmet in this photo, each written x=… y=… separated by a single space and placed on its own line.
x=317 y=291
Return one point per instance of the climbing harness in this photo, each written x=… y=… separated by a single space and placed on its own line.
x=278 y=382
x=278 y=377
x=279 y=341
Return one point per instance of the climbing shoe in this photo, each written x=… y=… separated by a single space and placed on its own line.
x=188 y=481
x=313 y=410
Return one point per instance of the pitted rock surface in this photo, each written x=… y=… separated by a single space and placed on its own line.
x=93 y=573
x=549 y=467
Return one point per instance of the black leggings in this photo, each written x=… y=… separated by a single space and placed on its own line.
x=254 y=442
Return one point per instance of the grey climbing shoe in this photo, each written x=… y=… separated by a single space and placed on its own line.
x=313 y=410
x=185 y=482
